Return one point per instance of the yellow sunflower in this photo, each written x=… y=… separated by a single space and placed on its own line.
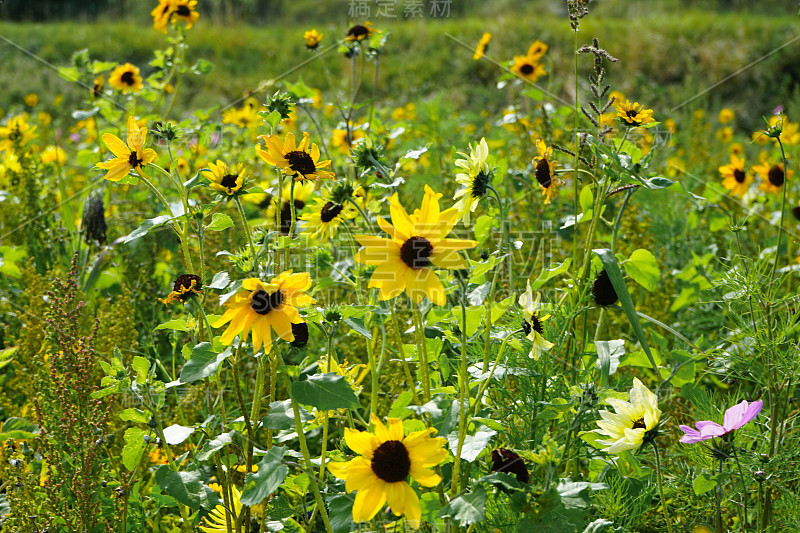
x=483 y=45
x=772 y=177
x=312 y=38
x=528 y=68
x=126 y=78
x=545 y=171
x=536 y=51
x=161 y=15
x=324 y=218
x=359 y=32
x=386 y=460
x=476 y=180
x=264 y=307
x=128 y=157
x=244 y=117
x=183 y=287
x=735 y=179
x=17 y=132
x=225 y=179
x=532 y=325
x=726 y=115
x=632 y=422
x=185 y=10
x=97 y=88
x=634 y=114
x=405 y=261
x=294 y=160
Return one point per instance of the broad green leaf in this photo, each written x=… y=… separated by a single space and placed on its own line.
x=325 y=392
x=474 y=319
x=467 y=509
x=145 y=227
x=430 y=506
x=18 y=429
x=141 y=366
x=499 y=308
x=187 y=487
x=134 y=447
x=134 y=415
x=202 y=67
x=473 y=444
x=7 y=355
x=271 y=473
x=642 y=267
x=612 y=268
x=549 y=273
x=204 y=362
x=357 y=325
x=341 y=512
x=504 y=479
x=482 y=228
x=219 y=222
x=586 y=199
x=176 y=434
x=702 y=484
x=214 y=445
x=176 y=324
x=281 y=416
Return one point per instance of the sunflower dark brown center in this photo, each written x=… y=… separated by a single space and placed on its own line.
x=134 y=161
x=776 y=176
x=639 y=424
x=262 y=302
x=390 y=461
x=330 y=211
x=526 y=69
x=632 y=113
x=738 y=175
x=301 y=162
x=15 y=134
x=184 y=281
x=536 y=324
x=358 y=32
x=229 y=181
x=300 y=332
x=416 y=252
x=504 y=460
x=543 y=173
x=127 y=78
x=796 y=212
x=480 y=184
x=183 y=11
x=603 y=290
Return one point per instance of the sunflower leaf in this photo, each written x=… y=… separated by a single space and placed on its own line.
x=204 y=362
x=643 y=268
x=467 y=509
x=271 y=473
x=187 y=487
x=134 y=447
x=325 y=392
x=219 y=222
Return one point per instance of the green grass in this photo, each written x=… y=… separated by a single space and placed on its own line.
x=669 y=58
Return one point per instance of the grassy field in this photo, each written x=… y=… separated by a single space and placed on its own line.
x=671 y=57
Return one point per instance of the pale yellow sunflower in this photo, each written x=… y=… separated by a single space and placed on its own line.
x=131 y=156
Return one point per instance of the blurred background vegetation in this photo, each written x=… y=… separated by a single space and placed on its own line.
x=670 y=50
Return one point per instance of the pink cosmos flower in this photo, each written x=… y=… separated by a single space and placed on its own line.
x=735 y=417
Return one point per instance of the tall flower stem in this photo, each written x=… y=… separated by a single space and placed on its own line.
x=246 y=228
x=576 y=200
x=780 y=223
x=175 y=225
x=422 y=353
x=463 y=392
x=744 y=487
x=660 y=477
x=487 y=318
x=406 y=370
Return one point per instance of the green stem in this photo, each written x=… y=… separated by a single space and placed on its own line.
x=661 y=489
x=422 y=353
x=744 y=488
x=463 y=393
x=253 y=253
x=401 y=353
x=780 y=223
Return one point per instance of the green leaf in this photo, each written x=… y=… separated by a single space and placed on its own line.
x=271 y=473
x=281 y=416
x=177 y=324
x=357 y=324
x=643 y=268
x=176 y=434
x=202 y=67
x=479 y=270
x=478 y=295
x=18 y=428
x=134 y=415
x=341 y=513
x=141 y=366
x=214 y=445
x=7 y=355
x=220 y=281
x=549 y=273
x=474 y=319
x=473 y=444
x=702 y=484
x=219 y=222
x=504 y=479
x=145 y=227
x=187 y=487
x=586 y=199
x=612 y=268
x=325 y=392
x=134 y=447
x=608 y=354
x=430 y=506
x=467 y=509
x=204 y=362
x=499 y=308
x=482 y=228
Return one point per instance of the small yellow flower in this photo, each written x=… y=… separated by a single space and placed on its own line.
x=126 y=78
x=128 y=157
x=628 y=426
x=725 y=134
x=301 y=161
x=773 y=177
x=734 y=177
x=224 y=179
x=545 y=171
x=264 y=307
x=536 y=51
x=634 y=114
x=418 y=243
x=359 y=32
x=54 y=154
x=386 y=459
x=244 y=117
x=483 y=45
x=312 y=38
x=476 y=180
x=16 y=132
x=532 y=326
x=324 y=218
x=31 y=99
x=726 y=115
x=528 y=68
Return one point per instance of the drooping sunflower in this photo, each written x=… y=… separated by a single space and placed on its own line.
x=225 y=179
x=312 y=38
x=773 y=177
x=532 y=325
x=406 y=261
x=359 y=32
x=735 y=179
x=131 y=156
x=126 y=78
x=634 y=114
x=161 y=15
x=295 y=160
x=476 y=180
x=633 y=421
x=263 y=307
x=528 y=68
x=386 y=459
x=544 y=170
x=483 y=45
x=184 y=286
x=324 y=218
x=17 y=131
